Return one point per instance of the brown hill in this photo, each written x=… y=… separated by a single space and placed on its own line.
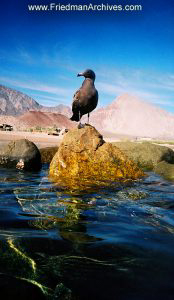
x=59 y=109
x=13 y=121
x=44 y=119
x=129 y=115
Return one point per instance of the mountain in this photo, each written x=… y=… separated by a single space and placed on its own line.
x=15 y=103
x=127 y=115
x=44 y=119
x=32 y=119
x=131 y=116
x=60 y=109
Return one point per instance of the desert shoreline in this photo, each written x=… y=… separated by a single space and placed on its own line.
x=40 y=139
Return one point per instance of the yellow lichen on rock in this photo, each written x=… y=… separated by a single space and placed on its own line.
x=84 y=158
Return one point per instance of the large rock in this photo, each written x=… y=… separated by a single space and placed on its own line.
x=47 y=154
x=165 y=169
x=146 y=154
x=84 y=158
x=20 y=154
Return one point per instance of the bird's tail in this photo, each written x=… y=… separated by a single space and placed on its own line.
x=75 y=117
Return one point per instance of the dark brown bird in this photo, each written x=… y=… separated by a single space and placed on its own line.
x=86 y=98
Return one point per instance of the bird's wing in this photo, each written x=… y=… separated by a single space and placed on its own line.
x=76 y=99
x=76 y=96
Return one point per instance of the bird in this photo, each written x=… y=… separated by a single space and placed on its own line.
x=85 y=99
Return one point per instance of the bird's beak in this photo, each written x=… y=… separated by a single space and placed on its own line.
x=80 y=74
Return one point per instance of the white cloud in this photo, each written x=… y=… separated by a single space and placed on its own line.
x=24 y=56
x=129 y=78
x=38 y=86
x=152 y=86
x=48 y=95
x=110 y=89
x=50 y=100
x=155 y=87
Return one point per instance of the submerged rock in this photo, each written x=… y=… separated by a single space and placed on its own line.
x=62 y=292
x=146 y=155
x=132 y=193
x=20 y=288
x=18 y=276
x=90 y=278
x=84 y=159
x=21 y=154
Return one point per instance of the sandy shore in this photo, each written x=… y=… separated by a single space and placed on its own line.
x=44 y=140
x=40 y=139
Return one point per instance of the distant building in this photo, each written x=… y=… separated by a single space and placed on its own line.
x=6 y=127
x=59 y=131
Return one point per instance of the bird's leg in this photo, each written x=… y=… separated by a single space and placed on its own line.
x=79 y=120
x=88 y=121
x=80 y=125
x=88 y=118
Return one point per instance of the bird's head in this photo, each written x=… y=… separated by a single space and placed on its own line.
x=87 y=74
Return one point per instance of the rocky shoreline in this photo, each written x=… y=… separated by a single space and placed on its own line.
x=146 y=155
x=71 y=267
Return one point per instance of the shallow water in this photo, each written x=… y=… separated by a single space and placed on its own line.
x=107 y=244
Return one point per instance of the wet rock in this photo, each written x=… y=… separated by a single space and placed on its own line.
x=165 y=169
x=15 y=262
x=47 y=154
x=146 y=155
x=62 y=292
x=88 y=278
x=84 y=159
x=19 y=288
x=132 y=193
x=21 y=154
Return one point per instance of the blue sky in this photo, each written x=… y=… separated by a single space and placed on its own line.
x=131 y=52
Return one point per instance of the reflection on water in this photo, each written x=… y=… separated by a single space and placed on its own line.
x=103 y=244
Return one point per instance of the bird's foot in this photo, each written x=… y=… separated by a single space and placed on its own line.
x=87 y=124
x=81 y=126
